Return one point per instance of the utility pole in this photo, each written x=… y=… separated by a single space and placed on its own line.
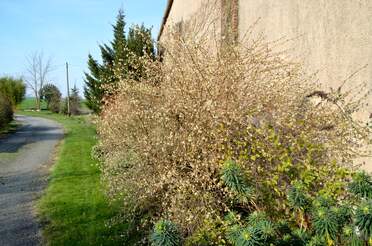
x=68 y=91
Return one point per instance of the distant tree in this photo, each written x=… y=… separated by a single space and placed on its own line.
x=75 y=101
x=119 y=46
x=38 y=70
x=102 y=78
x=51 y=94
x=13 y=89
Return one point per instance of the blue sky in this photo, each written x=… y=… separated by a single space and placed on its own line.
x=66 y=30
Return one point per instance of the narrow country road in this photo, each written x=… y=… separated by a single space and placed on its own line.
x=24 y=159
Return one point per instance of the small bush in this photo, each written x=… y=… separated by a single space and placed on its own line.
x=55 y=105
x=165 y=234
x=13 y=89
x=361 y=185
x=6 y=111
x=74 y=102
x=364 y=219
x=52 y=96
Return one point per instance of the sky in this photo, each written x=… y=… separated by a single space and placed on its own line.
x=66 y=31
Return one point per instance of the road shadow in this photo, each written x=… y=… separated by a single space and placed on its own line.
x=28 y=134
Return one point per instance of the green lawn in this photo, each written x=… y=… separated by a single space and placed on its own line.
x=29 y=104
x=74 y=209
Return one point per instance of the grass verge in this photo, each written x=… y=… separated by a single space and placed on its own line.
x=74 y=209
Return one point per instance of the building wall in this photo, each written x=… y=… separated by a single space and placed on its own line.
x=229 y=21
x=192 y=14
x=181 y=11
x=333 y=37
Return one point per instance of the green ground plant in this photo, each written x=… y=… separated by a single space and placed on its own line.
x=165 y=234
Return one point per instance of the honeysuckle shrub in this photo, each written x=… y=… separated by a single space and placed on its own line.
x=210 y=132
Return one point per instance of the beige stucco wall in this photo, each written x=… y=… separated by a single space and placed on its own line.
x=332 y=36
x=183 y=10
x=194 y=14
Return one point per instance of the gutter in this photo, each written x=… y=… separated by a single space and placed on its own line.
x=165 y=17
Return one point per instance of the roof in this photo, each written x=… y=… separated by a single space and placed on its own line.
x=165 y=17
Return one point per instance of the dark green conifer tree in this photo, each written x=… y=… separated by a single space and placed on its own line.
x=102 y=79
x=92 y=91
x=139 y=41
x=119 y=44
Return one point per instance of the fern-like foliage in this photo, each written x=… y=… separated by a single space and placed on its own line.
x=300 y=236
x=267 y=231
x=245 y=236
x=256 y=217
x=283 y=227
x=234 y=178
x=297 y=197
x=317 y=241
x=323 y=202
x=350 y=237
x=363 y=218
x=292 y=239
x=325 y=223
x=165 y=234
x=257 y=230
x=232 y=218
x=344 y=214
x=361 y=185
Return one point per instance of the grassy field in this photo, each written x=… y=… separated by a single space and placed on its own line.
x=29 y=104
x=74 y=209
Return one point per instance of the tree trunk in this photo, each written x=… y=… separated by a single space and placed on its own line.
x=37 y=101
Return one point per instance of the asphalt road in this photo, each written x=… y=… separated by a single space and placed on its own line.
x=24 y=162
